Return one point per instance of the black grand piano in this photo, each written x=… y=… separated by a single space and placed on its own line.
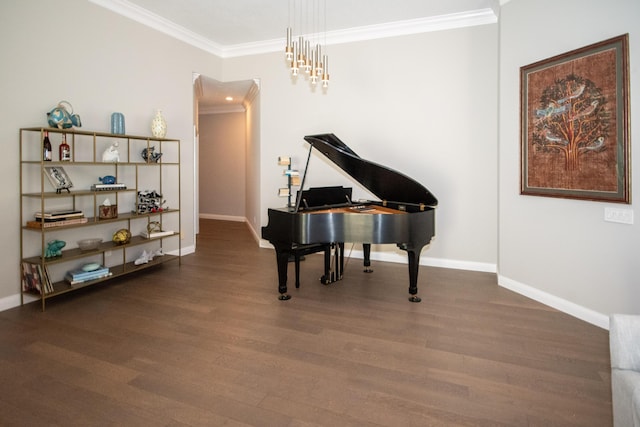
x=324 y=218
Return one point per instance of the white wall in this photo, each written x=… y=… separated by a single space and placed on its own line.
x=222 y=166
x=253 y=149
x=424 y=105
x=100 y=62
x=561 y=251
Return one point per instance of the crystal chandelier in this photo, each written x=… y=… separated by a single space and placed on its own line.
x=302 y=55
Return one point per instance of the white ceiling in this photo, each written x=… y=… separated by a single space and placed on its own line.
x=238 y=27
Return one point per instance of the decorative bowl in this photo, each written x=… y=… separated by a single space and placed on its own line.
x=89 y=244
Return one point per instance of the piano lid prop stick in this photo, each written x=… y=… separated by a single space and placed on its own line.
x=304 y=177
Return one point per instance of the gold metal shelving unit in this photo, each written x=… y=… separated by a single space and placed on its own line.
x=85 y=146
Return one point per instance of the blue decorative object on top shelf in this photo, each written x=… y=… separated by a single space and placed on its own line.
x=117 y=124
x=60 y=117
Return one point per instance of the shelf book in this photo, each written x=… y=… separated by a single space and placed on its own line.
x=155 y=234
x=58 y=215
x=79 y=275
x=59 y=223
x=35 y=279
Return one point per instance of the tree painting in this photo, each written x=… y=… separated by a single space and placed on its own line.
x=572 y=120
x=574 y=124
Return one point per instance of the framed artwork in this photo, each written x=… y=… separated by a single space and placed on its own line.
x=574 y=122
x=58 y=178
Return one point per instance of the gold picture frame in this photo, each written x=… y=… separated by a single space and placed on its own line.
x=58 y=178
x=575 y=124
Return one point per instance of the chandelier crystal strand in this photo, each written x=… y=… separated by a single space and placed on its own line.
x=307 y=56
x=325 y=72
x=319 y=59
x=288 y=50
x=300 y=51
x=294 y=61
x=314 y=67
x=325 y=58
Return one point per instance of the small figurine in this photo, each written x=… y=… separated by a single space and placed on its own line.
x=111 y=154
x=107 y=179
x=54 y=248
x=150 y=156
x=146 y=257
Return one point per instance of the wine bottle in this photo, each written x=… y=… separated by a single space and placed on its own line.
x=65 y=149
x=46 y=148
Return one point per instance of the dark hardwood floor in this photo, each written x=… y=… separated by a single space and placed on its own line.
x=209 y=344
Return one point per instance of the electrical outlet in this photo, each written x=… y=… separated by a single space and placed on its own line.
x=623 y=216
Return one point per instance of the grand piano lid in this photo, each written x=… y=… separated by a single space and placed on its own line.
x=387 y=184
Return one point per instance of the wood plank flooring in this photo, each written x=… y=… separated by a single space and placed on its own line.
x=209 y=344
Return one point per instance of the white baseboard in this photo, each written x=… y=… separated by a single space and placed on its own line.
x=13 y=301
x=568 y=307
x=401 y=258
x=10 y=302
x=185 y=250
x=222 y=217
x=572 y=309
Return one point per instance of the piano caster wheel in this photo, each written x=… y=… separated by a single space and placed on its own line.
x=415 y=298
x=368 y=270
x=284 y=297
x=325 y=280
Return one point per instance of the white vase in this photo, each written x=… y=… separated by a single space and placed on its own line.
x=159 y=125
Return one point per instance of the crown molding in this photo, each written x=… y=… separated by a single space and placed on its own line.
x=369 y=32
x=251 y=95
x=157 y=22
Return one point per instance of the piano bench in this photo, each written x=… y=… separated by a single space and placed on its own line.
x=299 y=251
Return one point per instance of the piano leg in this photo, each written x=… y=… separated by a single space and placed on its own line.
x=297 y=257
x=282 y=258
x=366 y=249
x=414 y=262
x=326 y=277
x=341 y=261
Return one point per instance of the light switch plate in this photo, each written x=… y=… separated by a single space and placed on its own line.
x=623 y=216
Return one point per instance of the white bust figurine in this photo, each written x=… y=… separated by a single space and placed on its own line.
x=111 y=154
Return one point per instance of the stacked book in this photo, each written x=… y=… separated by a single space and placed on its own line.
x=154 y=234
x=108 y=187
x=80 y=275
x=57 y=219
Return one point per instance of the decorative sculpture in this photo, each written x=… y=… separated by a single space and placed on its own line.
x=111 y=154
x=54 y=248
x=146 y=257
x=122 y=237
x=107 y=179
x=150 y=156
